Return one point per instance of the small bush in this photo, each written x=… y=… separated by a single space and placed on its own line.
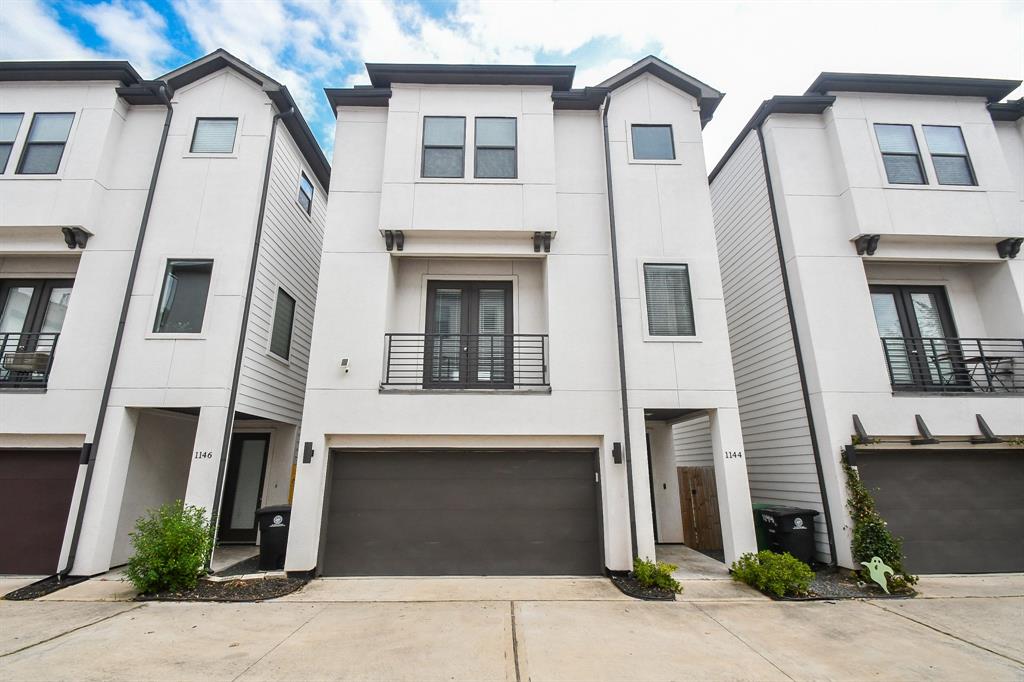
x=171 y=544
x=650 y=574
x=778 y=574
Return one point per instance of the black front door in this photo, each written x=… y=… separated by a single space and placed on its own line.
x=468 y=341
x=243 y=488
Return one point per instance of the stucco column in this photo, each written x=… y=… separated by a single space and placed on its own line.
x=110 y=469
x=205 y=463
x=643 y=514
x=307 y=502
x=731 y=482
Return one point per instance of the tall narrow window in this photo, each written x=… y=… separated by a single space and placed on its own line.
x=949 y=155
x=284 y=317
x=183 y=297
x=9 y=125
x=45 y=145
x=214 y=136
x=900 y=154
x=653 y=143
x=495 y=148
x=444 y=146
x=669 y=302
x=305 y=197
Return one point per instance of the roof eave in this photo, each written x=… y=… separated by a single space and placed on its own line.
x=118 y=71
x=553 y=76
x=992 y=89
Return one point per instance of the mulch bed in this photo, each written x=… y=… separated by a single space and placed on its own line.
x=628 y=585
x=830 y=585
x=43 y=587
x=258 y=589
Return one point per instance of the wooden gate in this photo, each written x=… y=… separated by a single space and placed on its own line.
x=698 y=500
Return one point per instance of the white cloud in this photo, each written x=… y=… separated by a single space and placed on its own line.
x=134 y=32
x=28 y=30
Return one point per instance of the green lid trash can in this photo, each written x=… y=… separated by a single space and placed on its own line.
x=790 y=529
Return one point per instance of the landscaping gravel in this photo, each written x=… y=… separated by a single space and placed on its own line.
x=832 y=584
x=258 y=589
x=630 y=587
x=43 y=587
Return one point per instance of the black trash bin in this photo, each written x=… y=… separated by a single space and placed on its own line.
x=274 y=523
x=789 y=529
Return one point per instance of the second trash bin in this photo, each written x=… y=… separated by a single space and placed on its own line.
x=789 y=529
x=274 y=523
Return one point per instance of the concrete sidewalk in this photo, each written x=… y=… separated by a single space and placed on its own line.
x=966 y=628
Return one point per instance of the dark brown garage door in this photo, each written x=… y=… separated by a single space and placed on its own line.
x=524 y=512
x=957 y=512
x=35 y=488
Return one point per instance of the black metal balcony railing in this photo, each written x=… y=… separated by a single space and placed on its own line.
x=955 y=365
x=460 y=361
x=26 y=359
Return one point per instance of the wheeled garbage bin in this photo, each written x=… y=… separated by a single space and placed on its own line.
x=790 y=529
x=274 y=523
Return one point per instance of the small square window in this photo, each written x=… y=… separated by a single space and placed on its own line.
x=900 y=154
x=9 y=125
x=183 y=297
x=305 y=197
x=444 y=147
x=44 y=147
x=949 y=155
x=214 y=136
x=495 y=148
x=284 y=317
x=669 y=301
x=653 y=143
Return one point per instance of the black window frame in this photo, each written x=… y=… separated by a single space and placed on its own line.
x=21 y=114
x=195 y=129
x=163 y=287
x=671 y=140
x=918 y=155
x=647 y=304
x=425 y=146
x=514 y=148
x=291 y=324
x=966 y=156
x=308 y=208
x=29 y=143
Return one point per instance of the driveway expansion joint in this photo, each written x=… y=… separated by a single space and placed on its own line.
x=744 y=642
x=74 y=629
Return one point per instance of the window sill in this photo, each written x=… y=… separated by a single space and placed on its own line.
x=656 y=162
x=32 y=176
x=34 y=390
x=190 y=155
x=533 y=390
x=937 y=188
x=278 y=359
x=469 y=181
x=672 y=339
x=180 y=336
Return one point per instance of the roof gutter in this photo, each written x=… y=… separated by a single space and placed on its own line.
x=230 y=419
x=89 y=449
x=618 y=325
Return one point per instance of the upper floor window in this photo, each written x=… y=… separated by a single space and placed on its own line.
x=214 y=136
x=9 y=125
x=652 y=142
x=949 y=155
x=900 y=154
x=281 y=334
x=183 y=297
x=669 y=301
x=444 y=146
x=305 y=197
x=495 y=148
x=45 y=145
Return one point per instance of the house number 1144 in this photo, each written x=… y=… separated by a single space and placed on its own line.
x=733 y=454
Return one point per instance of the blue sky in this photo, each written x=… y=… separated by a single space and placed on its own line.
x=750 y=50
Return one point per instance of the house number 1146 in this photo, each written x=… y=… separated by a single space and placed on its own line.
x=203 y=454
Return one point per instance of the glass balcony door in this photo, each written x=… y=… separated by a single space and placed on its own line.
x=468 y=336
x=31 y=317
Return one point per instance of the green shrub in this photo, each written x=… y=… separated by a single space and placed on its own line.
x=650 y=574
x=779 y=574
x=171 y=544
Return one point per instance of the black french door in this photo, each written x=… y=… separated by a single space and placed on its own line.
x=468 y=339
x=31 y=317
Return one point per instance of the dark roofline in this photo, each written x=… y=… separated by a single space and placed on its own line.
x=105 y=70
x=780 y=104
x=586 y=98
x=992 y=89
x=357 y=97
x=708 y=97
x=556 y=77
x=1007 y=111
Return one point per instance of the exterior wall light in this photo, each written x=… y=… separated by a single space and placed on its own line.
x=394 y=239
x=867 y=243
x=1009 y=248
x=75 y=237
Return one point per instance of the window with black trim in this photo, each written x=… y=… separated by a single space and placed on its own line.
x=9 y=126
x=950 y=159
x=214 y=136
x=44 y=147
x=305 y=197
x=444 y=147
x=669 y=300
x=495 y=140
x=183 y=297
x=652 y=142
x=284 y=318
x=900 y=154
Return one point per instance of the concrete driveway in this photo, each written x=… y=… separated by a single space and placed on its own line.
x=523 y=629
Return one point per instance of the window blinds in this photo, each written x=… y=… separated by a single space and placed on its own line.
x=669 y=301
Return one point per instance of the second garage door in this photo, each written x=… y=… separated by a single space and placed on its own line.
x=428 y=512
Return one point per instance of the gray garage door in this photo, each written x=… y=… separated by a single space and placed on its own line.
x=524 y=512
x=957 y=512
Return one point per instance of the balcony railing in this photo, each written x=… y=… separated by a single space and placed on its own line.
x=465 y=361
x=26 y=359
x=955 y=365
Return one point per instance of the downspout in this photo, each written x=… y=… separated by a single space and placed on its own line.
x=89 y=449
x=799 y=353
x=230 y=420
x=618 y=327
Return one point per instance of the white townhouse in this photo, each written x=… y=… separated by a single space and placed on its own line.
x=159 y=251
x=869 y=233
x=519 y=293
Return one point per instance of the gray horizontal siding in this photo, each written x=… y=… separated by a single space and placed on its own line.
x=692 y=442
